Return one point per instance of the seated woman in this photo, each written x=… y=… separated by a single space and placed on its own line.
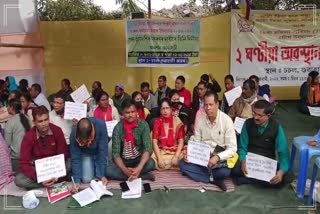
x=15 y=130
x=105 y=111
x=143 y=112
x=27 y=104
x=309 y=93
x=167 y=138
x=4 y=114
x=180 y=109
x=242 y=105
x=6 y=174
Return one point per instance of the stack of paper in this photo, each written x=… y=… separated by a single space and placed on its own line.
x=135 y=187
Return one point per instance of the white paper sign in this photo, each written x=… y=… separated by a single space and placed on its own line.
x=50 y=167
x=110 y=126
x=314 y=111
x=181 y=99
x=198 y=153
x=74 y=111
x=260 y=167
x=238 y=124
x=81 y=94
x=233 y=94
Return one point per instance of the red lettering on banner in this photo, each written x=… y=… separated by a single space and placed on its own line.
x=308 y=52
x=265 y=53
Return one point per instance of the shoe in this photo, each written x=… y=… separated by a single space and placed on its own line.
x=148 y=176
x=220 y=184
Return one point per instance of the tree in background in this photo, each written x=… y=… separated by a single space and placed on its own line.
x=70 y=10
x=129 y=6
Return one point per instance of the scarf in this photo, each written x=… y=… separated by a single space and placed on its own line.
x=12 y=84
x=103 y=115
x=167 y=140
x=250 y=99
x=313 y=95
x=141 y=113
x=128 y=136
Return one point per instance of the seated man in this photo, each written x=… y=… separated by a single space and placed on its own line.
x=131 y=147
x=264 y=136
x=262 y=90
x=41 y=141
x=216 y=129
x=38 y=97
x=56 y=116
x=89 y=151
x=150 y=101
x=119 y=96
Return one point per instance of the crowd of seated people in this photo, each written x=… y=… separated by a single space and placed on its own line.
x=152 y=132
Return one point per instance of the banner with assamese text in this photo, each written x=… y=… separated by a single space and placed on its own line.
x=280 y=47
x=162 y=43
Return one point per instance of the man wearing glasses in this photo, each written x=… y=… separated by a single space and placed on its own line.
x=264 y=136
x=42 y=141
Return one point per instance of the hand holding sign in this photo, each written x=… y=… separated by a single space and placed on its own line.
x=233 y=94
x=74 y=111
x=50 y=168
x=260 y=167
x=81 y=94
x=198 y=153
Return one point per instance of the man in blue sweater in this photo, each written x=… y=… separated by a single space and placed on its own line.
x=89 y=151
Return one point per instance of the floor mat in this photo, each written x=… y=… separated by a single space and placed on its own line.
x=170 y=179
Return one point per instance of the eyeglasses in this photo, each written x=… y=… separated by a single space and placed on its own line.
x=256 y=114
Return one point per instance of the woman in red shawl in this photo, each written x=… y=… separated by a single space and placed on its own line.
x=168 y=138
x=105 y=111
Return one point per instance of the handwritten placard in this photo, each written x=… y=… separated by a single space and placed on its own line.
x=81 y=94
x=233 y=94
x=238 y=124
x=50 y=167
x=260 y=167
x=74 y=111
x=110 y=126
x=314 y=111
x=198 y=153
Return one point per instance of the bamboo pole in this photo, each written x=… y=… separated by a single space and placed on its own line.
x=149 y=9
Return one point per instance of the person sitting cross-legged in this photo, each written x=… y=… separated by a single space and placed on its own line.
x=131 y=147
x=264 y=136
x=42 y=141
x=168 y=138
x=215 y=129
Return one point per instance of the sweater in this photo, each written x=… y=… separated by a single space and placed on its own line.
x=32 y=148
x=98 y=150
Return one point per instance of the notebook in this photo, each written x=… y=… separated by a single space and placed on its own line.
x=91 y=194
x=57 y=192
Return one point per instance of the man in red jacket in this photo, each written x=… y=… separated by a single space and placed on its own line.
x=41 y=141
x=185 y=95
